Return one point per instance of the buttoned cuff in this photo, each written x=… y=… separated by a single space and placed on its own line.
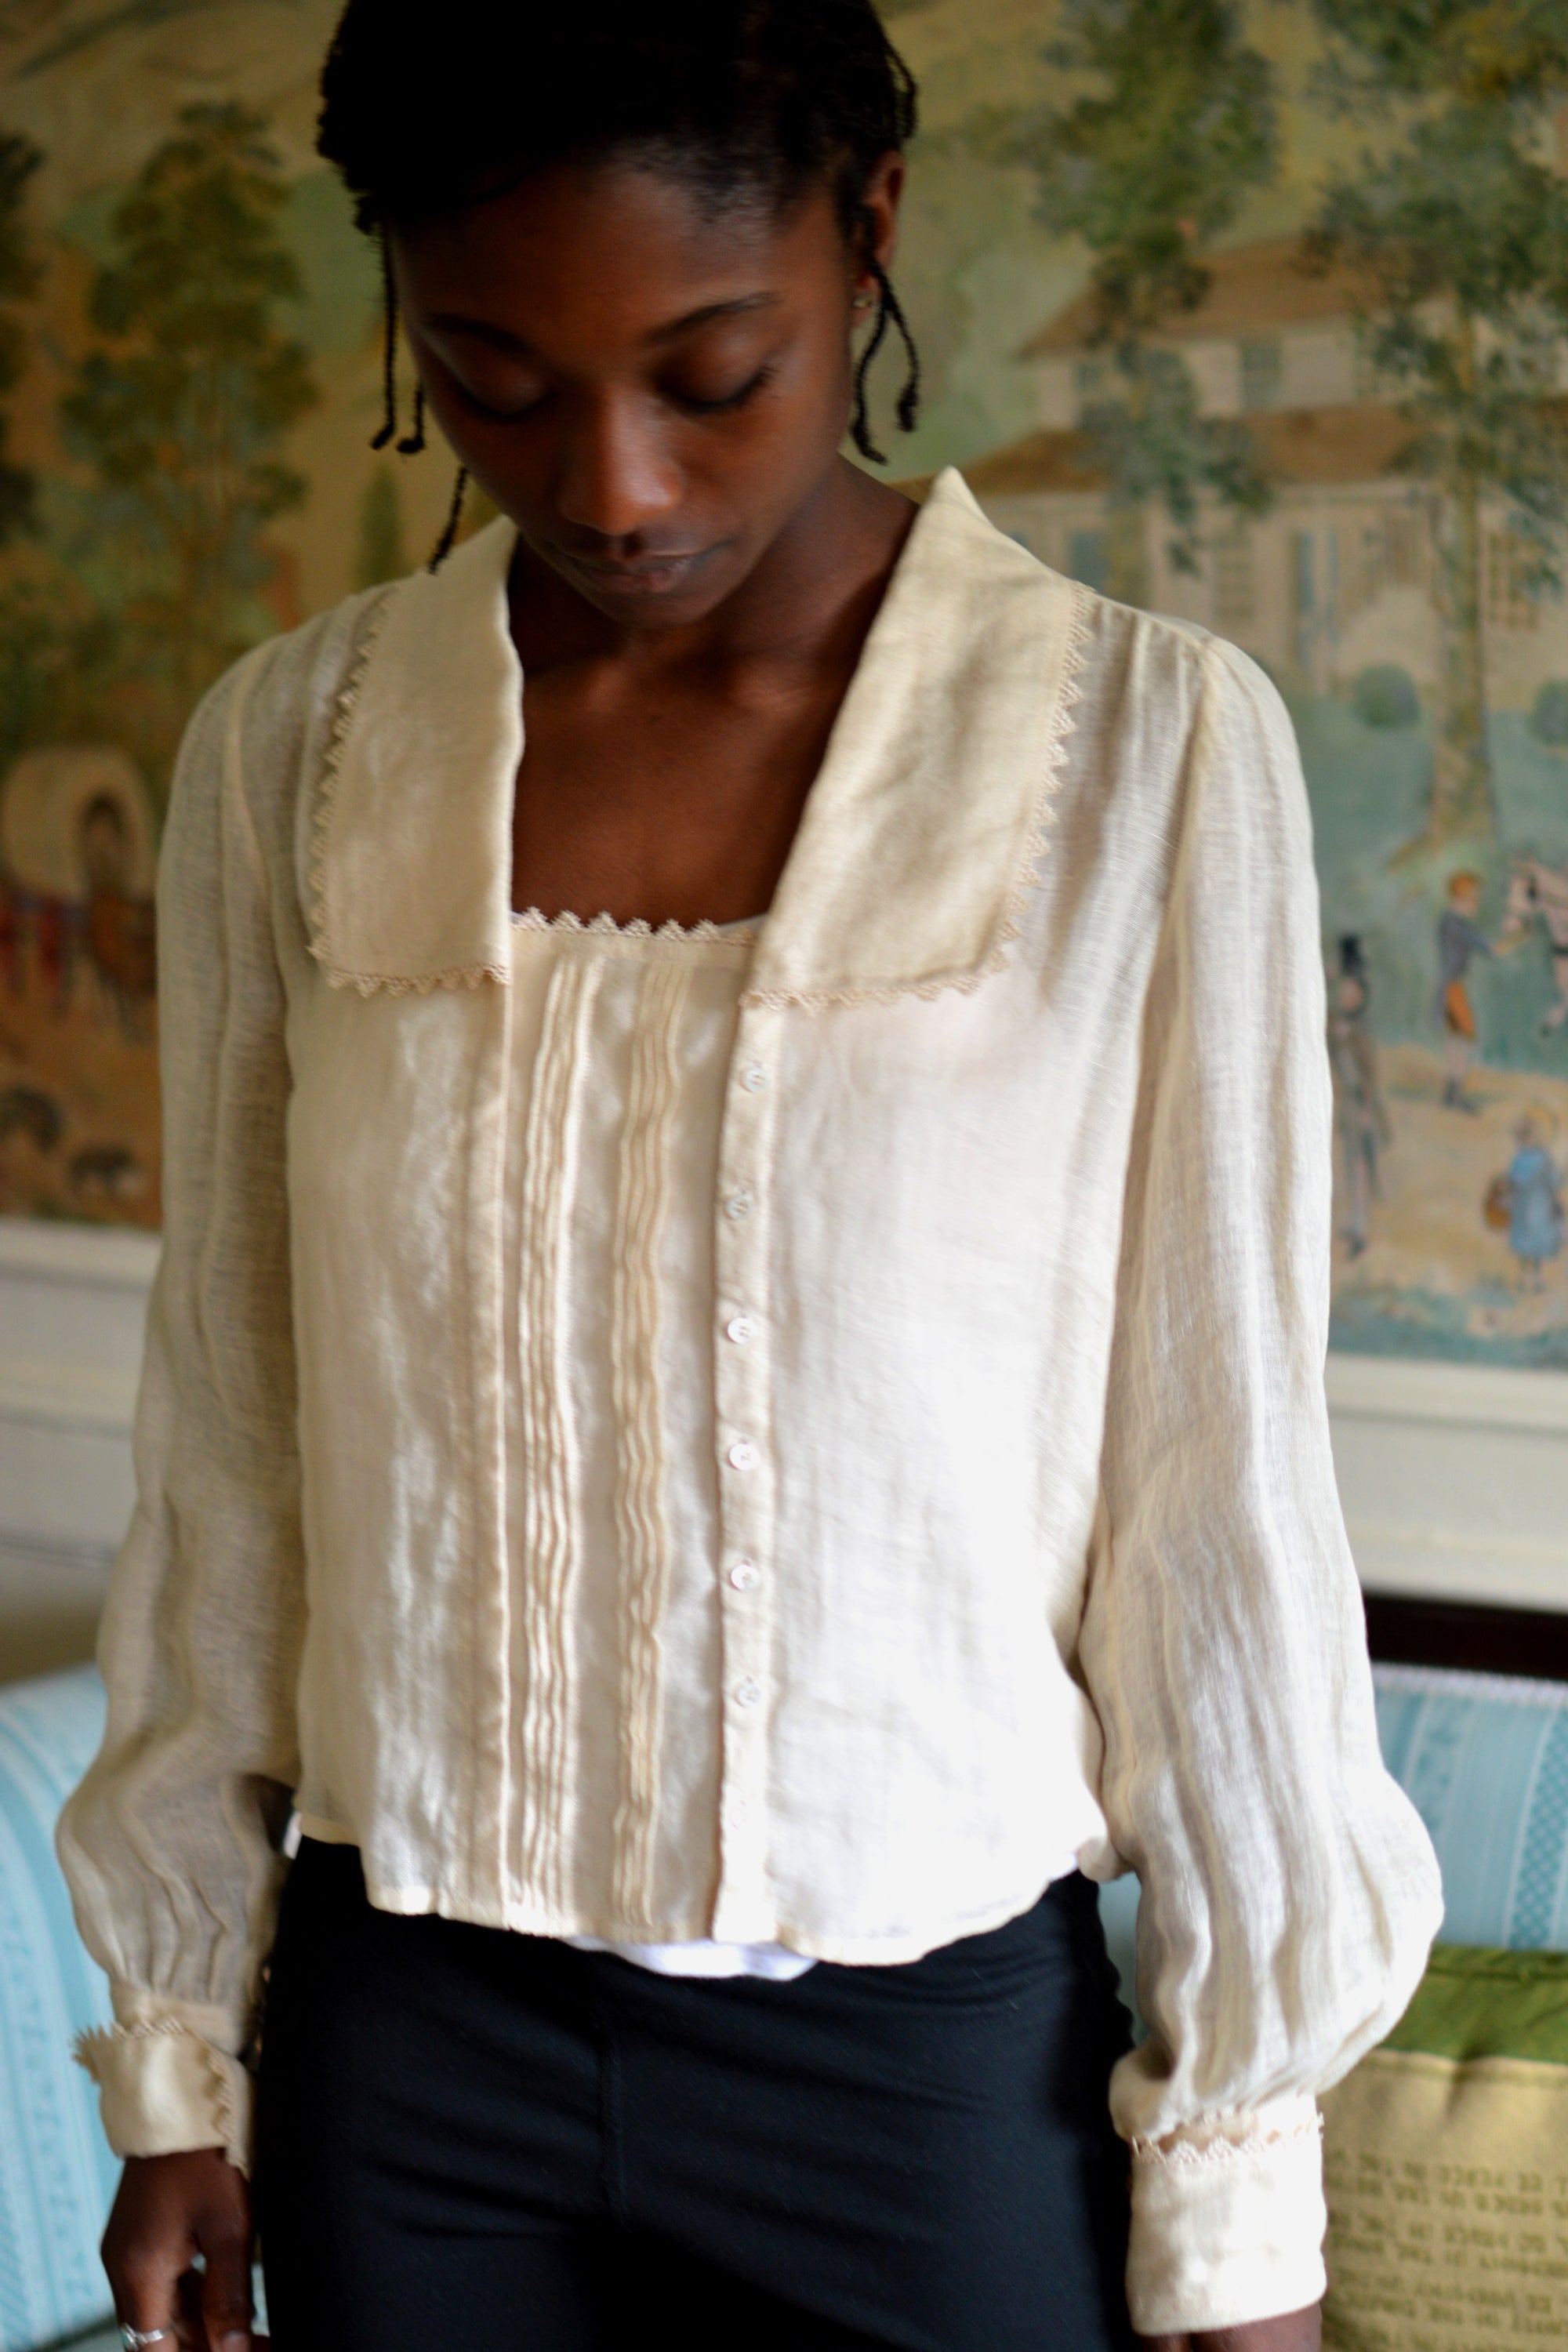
x=166 y=2081
x=1228 y=2220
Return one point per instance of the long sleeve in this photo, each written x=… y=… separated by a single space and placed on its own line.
x=170 y=1843
x=1289 y=1894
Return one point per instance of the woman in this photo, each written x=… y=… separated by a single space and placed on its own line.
x=734 y=1399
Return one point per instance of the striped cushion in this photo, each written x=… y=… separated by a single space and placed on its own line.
x=56 y=2175
x=1484 y=1760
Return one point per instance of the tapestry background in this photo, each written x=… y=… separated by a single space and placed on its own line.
x=1256 y=314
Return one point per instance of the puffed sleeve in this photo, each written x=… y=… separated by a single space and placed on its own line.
x=169 y=1844
x=1288 y=1892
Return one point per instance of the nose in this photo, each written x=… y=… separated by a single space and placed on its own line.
x=615 y=476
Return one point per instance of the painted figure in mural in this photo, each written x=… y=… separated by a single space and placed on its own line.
x=1460 y=940
x=748 y=1167
x=1538 y=892
x=77 y=963
x=1360 y=1111
x=1535 y=1221
x=121 y=934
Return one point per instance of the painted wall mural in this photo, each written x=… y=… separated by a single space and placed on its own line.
x=1251 y=311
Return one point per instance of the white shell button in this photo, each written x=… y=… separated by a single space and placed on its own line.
x=743 y=1455
x=746 y=1575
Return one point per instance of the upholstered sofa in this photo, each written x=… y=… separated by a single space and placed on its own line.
x=1484 y=1758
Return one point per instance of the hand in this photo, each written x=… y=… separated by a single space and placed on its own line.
x=1297 y=2331
x=169 y=2210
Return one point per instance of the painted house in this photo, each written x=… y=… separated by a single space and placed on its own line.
x=1342 y=574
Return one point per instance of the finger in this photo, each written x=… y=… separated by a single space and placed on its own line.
x=226 y=2292
x=145 y=2295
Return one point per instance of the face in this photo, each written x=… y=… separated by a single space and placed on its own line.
x=650 y=391
x=1467 y=898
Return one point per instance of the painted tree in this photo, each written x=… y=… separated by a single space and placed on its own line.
x=1457 y=220
x=19 y=159
x=181 y=407
x=1172 y=124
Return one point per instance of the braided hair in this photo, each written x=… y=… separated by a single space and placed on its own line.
x=747 y=101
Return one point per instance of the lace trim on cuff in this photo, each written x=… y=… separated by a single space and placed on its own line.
x=1178 y=2150
x=95 y=2049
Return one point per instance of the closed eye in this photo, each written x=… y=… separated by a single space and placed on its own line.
x=731 y=400
x=490 y=412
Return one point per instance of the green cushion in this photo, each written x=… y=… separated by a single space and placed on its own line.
x=1473 y=2003
x=1447 y=2166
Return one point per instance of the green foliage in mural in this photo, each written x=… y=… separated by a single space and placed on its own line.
x=125 y=16
x=181 y=409
x=1151 y=162
x=59 y=653
x=1174 y=124
x=1459 y=227
x=19 y=159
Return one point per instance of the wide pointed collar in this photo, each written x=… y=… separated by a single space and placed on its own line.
x=922 y=835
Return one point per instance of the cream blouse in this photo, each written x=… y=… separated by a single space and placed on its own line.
x=1017 y=1541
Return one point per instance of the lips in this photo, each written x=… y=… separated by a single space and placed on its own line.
x=647 y=575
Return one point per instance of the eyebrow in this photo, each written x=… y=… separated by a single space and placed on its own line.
x=501 y=338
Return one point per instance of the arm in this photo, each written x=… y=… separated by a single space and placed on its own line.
x=1288 y=1891
x=170 y=1843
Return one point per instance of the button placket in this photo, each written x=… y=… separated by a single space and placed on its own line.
x=746 y=1475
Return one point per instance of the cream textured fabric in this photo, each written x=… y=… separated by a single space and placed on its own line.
x=629 y=1097
x=1020 y=1241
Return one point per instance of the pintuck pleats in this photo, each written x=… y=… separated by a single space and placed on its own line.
x=621 y=1040
x=549 y=1157
x=642 y=1521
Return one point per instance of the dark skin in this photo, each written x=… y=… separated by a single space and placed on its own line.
x=657 y=397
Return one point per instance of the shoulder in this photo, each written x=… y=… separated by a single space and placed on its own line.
x=287 y=685
x=254 y=728
x=1173 y=716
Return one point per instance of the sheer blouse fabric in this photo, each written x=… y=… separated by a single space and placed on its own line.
x=1018 y=1219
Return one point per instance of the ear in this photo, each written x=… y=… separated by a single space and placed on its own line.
x=879 y=205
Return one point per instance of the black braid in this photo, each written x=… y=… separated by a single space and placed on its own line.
x=448 y=538
x=388 y=346
x=889 y=312
x=413 y=443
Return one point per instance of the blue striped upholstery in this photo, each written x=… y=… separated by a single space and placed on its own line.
x=1484 y=1760
x=56 y=2175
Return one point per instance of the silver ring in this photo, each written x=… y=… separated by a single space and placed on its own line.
x=135 y=2338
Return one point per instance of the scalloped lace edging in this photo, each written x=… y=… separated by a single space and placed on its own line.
x=605 y=927
x=424 y=984
x=1026 y=881
x=1184 y=2152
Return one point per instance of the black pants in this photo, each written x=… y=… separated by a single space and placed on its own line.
x=480 y=2140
